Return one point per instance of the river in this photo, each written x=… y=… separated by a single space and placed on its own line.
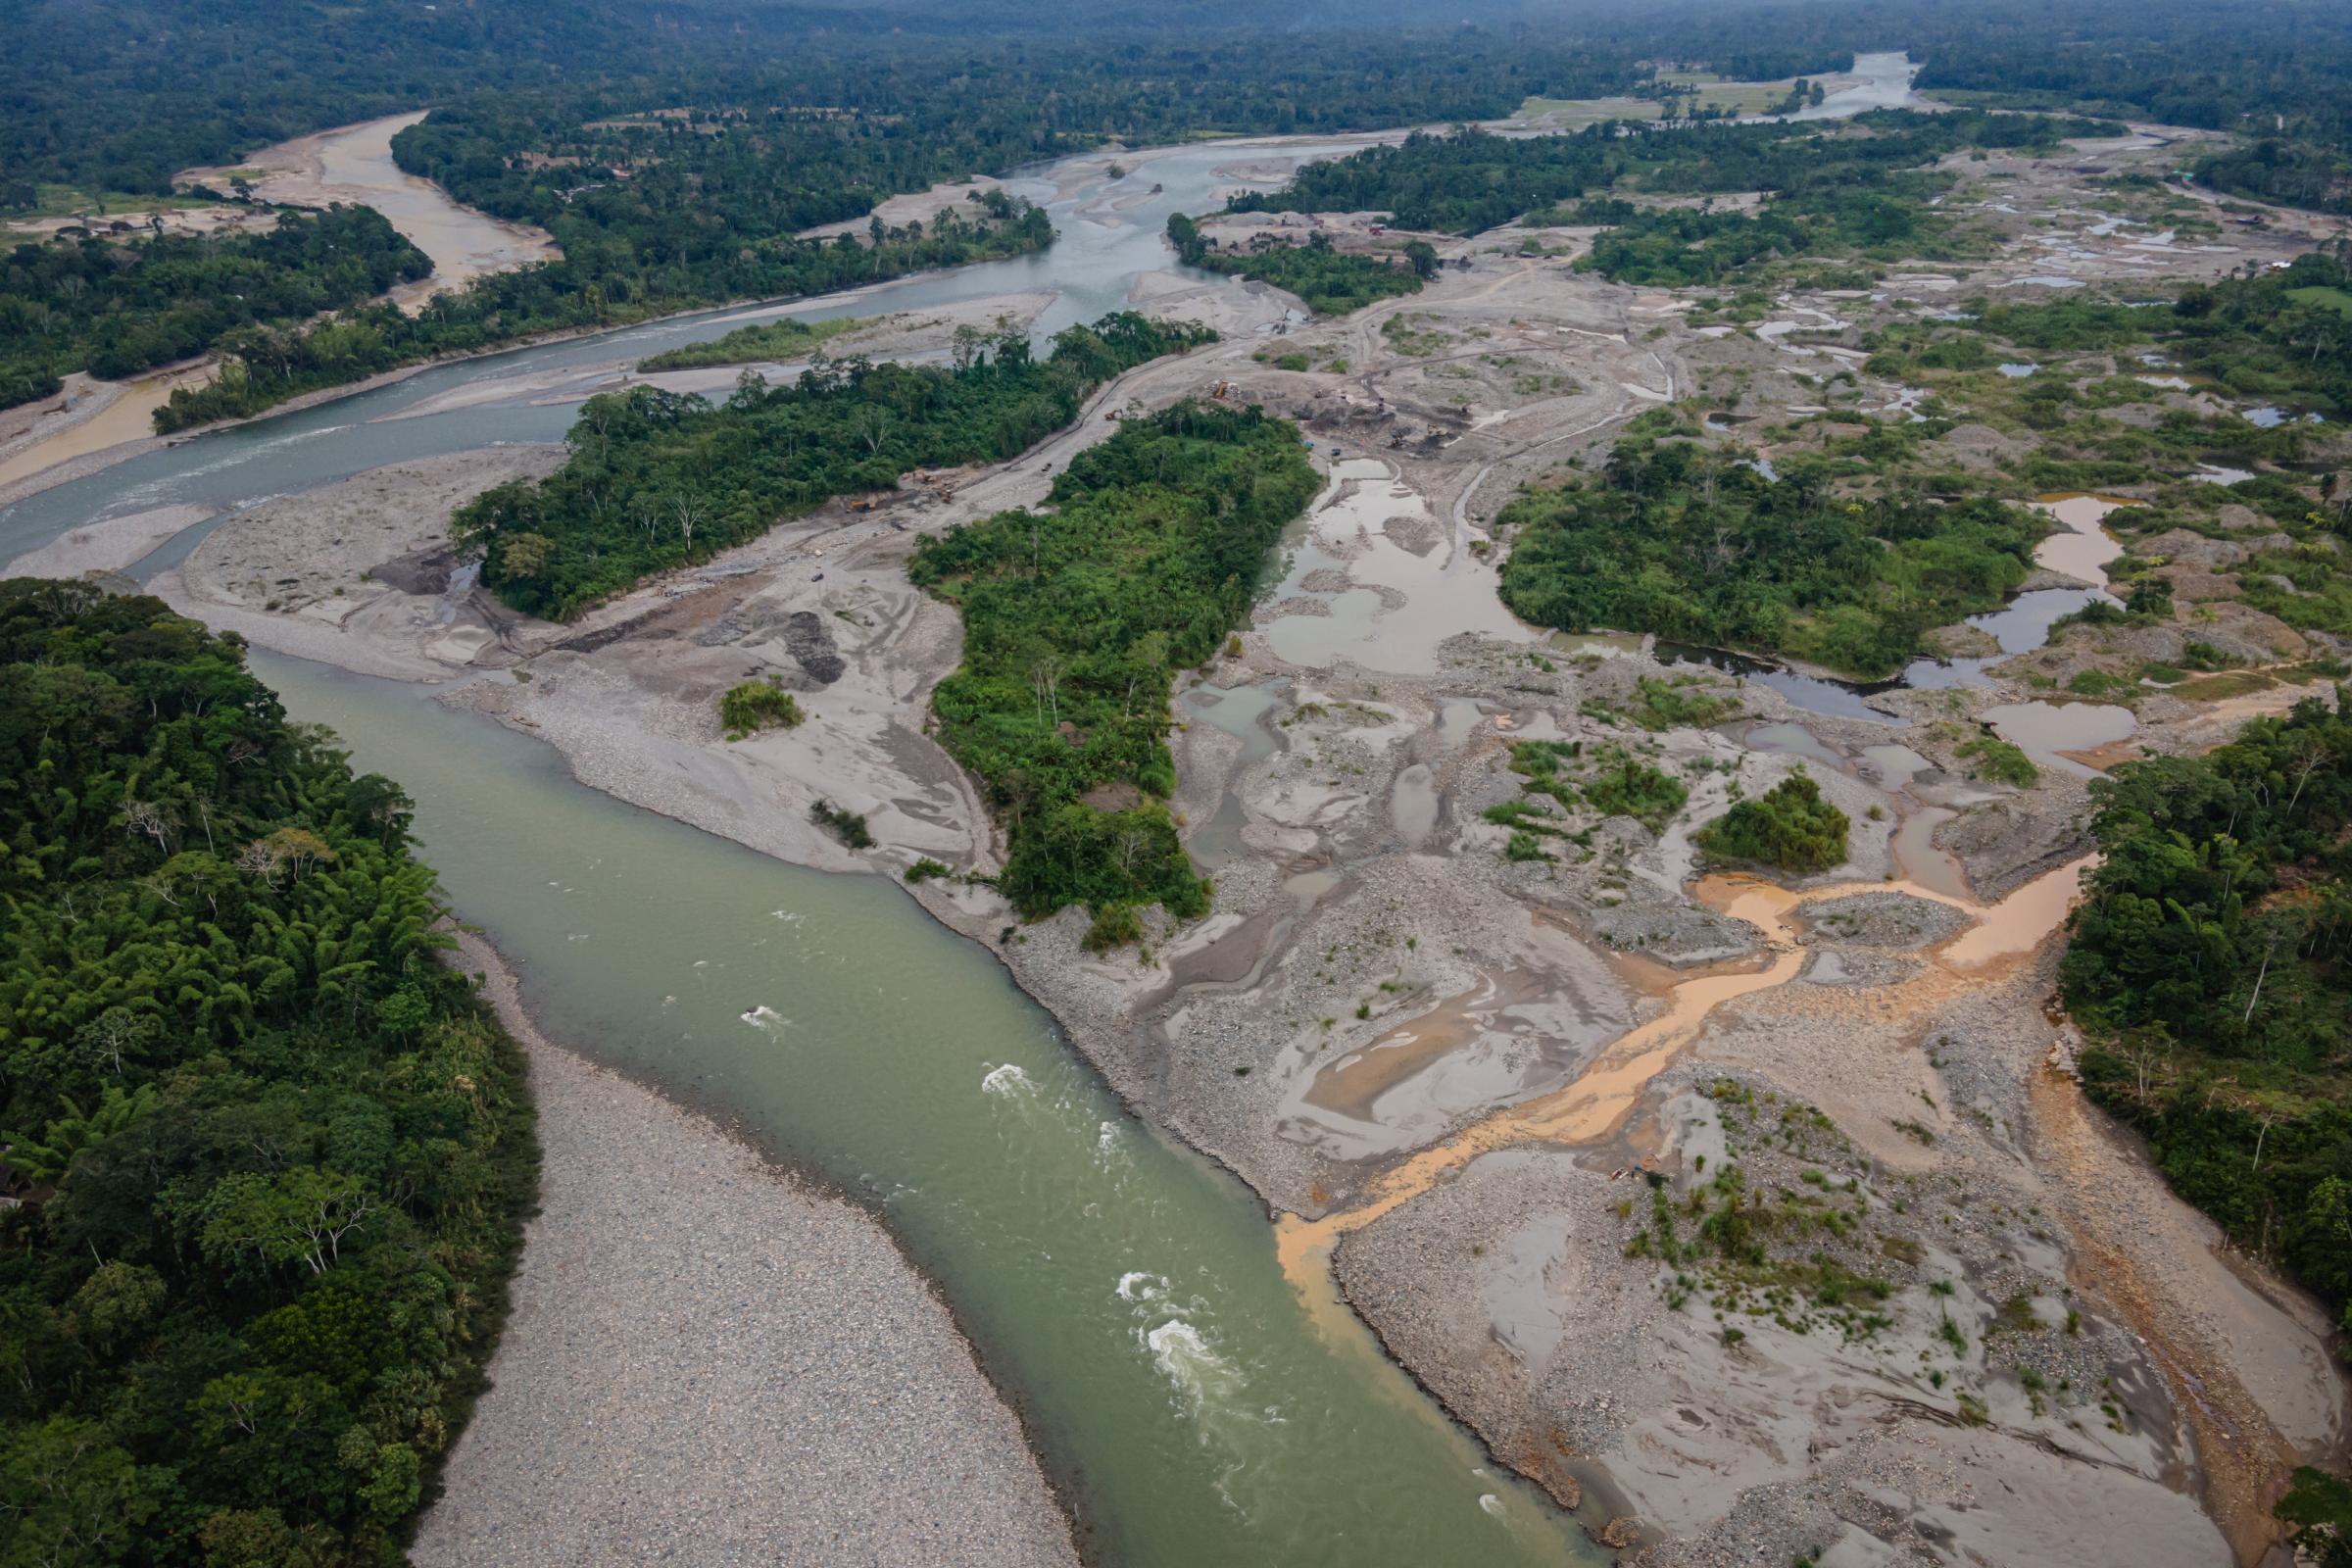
x=1189 y=1403
x=1124 y=1292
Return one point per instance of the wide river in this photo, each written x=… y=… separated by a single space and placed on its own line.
x=1125 y=1293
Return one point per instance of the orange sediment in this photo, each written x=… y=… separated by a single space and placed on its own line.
x=1596 y=1102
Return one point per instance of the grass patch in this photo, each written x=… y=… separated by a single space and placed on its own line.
x=2000 y=762
x=756 y=344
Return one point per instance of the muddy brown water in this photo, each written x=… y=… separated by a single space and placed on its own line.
x=1596 y=1102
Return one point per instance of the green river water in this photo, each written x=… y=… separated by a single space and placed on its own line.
x=1123 y=1291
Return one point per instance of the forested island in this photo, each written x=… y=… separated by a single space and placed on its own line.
x=658 y=481
x=1075 y=620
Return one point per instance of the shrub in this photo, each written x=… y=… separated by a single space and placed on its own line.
x=847 y=826
x=1790 y=826
x=1116 y=926
x=755 y=706
x=2000 y=762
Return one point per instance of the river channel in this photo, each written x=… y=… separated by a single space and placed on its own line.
x=1124 y=1292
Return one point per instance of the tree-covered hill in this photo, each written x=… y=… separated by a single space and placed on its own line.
x=264 y=1156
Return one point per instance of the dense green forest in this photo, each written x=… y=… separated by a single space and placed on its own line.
x=267 y=1157
x=115 y=309
x=1686 y=247
x=2208 y=967
x=599 y=287
x=2292 y=174
x=1470 y=180
x=1075 y=620
x=656 y=481
x=1331 y=282
x=1675 y=539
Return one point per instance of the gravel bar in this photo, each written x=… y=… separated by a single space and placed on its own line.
x=707 y=1362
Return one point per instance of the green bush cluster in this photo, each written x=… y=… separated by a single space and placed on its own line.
x=745 y=709
x=845 y=825
x=2000 y=761
x=1790 y=826
x=269 y=1156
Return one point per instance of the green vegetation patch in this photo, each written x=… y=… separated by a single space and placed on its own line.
x=1790 y=826
x=656 y=481
x=756 y=704
x=1332 y=282
x=2208 y=966
x=762 y=342
x=1680 y=702
x=2000 y=762
x=1608 y=778
x=1075 y=620
x=268 y=1157
x=2322 y=298
x=1677 y=540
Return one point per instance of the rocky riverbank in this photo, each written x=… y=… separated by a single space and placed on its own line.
x=708 y=1361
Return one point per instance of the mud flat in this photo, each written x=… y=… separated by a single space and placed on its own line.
x=710 y=1362
x=90 y=417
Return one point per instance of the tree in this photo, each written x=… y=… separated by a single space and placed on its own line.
x=69 y=1495
x=301 y=1214
x=1424 y=257
x=2319 y=1507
